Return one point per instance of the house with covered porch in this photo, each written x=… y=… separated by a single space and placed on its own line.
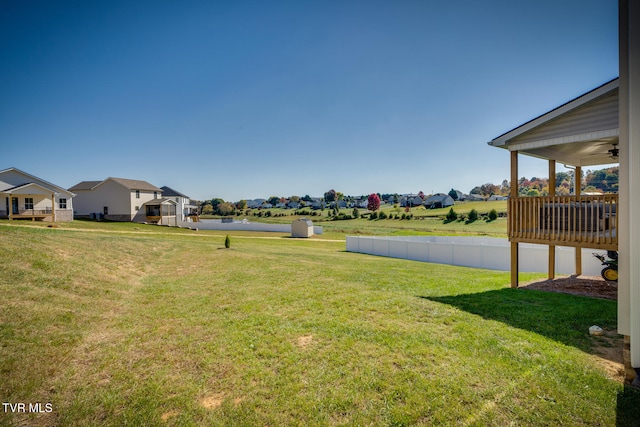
x=120 y=199
x=600 y=127
x=25 y=196
x=582 y=132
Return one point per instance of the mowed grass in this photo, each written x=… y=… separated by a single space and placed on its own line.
x=423 y=222
x=141 y=325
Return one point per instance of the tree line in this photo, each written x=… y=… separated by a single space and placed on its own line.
x=591 y=181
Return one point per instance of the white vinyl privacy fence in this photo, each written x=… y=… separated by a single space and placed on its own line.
x=481 y=252
x=213 y=224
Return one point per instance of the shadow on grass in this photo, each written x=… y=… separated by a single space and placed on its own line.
x=628 y=407
x=563 y=318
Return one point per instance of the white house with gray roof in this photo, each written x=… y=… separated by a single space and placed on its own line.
x=184 y=206
x=120 y=199
x=25 y=196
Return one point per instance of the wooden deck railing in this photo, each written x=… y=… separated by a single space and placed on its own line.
x=580 y=221
x=34 y=212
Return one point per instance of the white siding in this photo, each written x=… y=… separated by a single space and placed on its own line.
x=599 y=115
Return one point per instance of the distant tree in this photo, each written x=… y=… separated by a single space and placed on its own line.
x=454 y=194
x=475 y=190
x=225 y=209
x=273 y=200
x=242 y=204
x=421 y=195
x=307 y=198
x=330 y=196
x=505 y=188
x=207 y=209
x=373 y=202
x=295 y=199
x=215 y=202
x=489 y=189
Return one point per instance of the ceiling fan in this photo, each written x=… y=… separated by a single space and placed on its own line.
x=613 y=153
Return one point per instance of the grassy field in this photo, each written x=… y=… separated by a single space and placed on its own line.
x=423 y=221
x=123 y=324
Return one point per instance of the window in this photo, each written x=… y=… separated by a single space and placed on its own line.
x=155 y=194
x=137 y=194
x=137 y=208
x=153 y=210
x=28 y=202
x=105 y=210
x=62 y=203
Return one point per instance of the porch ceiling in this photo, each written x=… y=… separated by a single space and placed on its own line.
x=579 y=152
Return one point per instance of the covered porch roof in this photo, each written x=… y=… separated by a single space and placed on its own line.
x=581 y=132
x=30 y=188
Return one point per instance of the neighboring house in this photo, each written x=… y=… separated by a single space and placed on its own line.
x=24 y=196
x=459 y=195
x=184 y=207
x=474 y=198
x=497 y=197
x=439 y=200
x=255 y=203
x=120 y=199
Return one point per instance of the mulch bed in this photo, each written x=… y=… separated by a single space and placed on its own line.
x=590 y=286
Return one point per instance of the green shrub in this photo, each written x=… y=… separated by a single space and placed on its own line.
x=227 y=242
x=382 y=215
x=493 y=215
x=473 y=215
x=355 y=213
x=451 y=215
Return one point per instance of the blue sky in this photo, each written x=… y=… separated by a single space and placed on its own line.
x=247 y=99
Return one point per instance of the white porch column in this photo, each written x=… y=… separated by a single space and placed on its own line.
x=629 y=222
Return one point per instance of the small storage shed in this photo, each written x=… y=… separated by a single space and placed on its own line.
x=302 y=228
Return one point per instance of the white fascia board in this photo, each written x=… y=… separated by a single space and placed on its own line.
x=553 y=114
x=590 y=136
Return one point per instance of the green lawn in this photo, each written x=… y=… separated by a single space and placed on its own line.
x=423 y=221
x=126 y=324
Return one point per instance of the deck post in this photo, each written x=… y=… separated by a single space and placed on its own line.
x=510 y=214
x=577 y=185
x=552 y=193
x=53 y=208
